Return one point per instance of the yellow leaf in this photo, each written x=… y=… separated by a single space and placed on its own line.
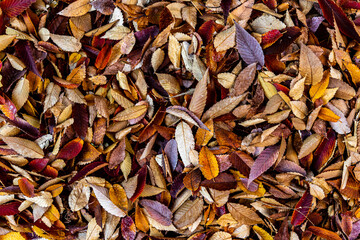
x=262 y=233
x=354 y=72
x=328 y=115
x=12 y=236
x=117 y=195
x=203 y=136
x=141 y=222
x=269 y=89
x=208 y=163
x=318 y=90
x=52 y=213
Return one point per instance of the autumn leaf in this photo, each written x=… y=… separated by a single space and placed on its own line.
x=249 y=49
x=302 y=209
x=263 y=162
x=208 y=163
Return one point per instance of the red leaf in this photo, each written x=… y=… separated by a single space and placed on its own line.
x=38 y=164
x=7 y=107
x=325 y=150
x=26 y=187
x=302 y=209
x=333 y=12
x=142 y=173
x=71 y=149
x=81 y=119
x=157 y=211
x=350 y=4
x=290 y=34
x=280 y=87
x=324 y=233
x=128 y=229
x=9 y=208
x=88 y=169
x=13 y=8
x=289 y=166
x=104 y=56
x=272 y=4
x=263 y=162
x=269 y=38
x=224 y=181
x=206 y=31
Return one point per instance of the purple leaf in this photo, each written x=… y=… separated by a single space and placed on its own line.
x=157 y=211
x=24 y=126
x=355 y=231
x=10 y=75
x=24 y=52
x=143 y=35
x=264 y=161
x=81 y=119
x=225 y=6
x=314 y=23
x=172 y=153
x=192 y=115
x=289 y=166
x=249 y=49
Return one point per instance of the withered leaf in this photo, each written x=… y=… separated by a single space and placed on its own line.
x=209 y=165
x=185 y=141
x=102 y=195
x=249 y=49
x=159 y=212
x=24 y=147
x=263 y=162
x=243 y=214
x=310 y=66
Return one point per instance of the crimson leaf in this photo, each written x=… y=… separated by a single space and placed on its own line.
x=333 y=12
x=13 y=8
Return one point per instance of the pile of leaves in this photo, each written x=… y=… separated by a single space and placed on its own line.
x=214 y=119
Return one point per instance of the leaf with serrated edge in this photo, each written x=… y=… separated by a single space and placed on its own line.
x=185 y=141
x=263 y=162
x=102 y=195
x=24 y=147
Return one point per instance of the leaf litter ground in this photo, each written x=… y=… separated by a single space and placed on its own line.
x=218 y=119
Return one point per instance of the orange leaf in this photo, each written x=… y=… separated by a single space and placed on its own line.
x=26 y=187
x=324 y=233
x=317 y=91
x=103 y=57
x=208 y=163
x=328 y=115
